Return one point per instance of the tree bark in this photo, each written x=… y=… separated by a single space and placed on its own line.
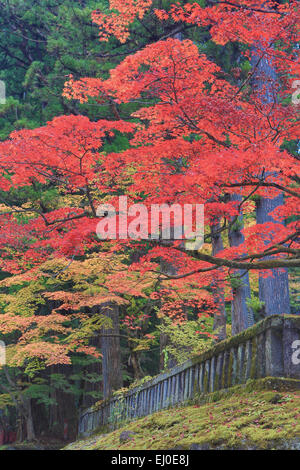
x=273 y=290
x=29 y=421
x=138 y=373
x=220 y=315
x=241 y=315
x=111 y=352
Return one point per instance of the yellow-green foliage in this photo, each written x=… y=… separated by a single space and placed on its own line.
x=183 y=340
x=258 y=419
x=25 y=301
x=5 y=401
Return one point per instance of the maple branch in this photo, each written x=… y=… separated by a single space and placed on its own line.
x=266 y=184
x=198 y=271
x=235 y=218
x=195 y=127
x=244 y=7
x=271 y=252
x=220 y=262
x=67 y=219
x=177 y=30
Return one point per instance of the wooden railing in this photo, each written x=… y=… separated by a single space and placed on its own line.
x=264 y=350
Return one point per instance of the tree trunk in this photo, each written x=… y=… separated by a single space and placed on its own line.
x=241 y=315
x=135 y=362
x=29 y=422
x=20 y=425
x=23 y=407
x=273 y=291
x=220 y=315
x=26 y=430
x=111 y=352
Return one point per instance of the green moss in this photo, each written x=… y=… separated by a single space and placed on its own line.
x=273 y=397
x=229 y=375
x=276 y=321
x=262 y=414
x=268 y=383
x=196 y=387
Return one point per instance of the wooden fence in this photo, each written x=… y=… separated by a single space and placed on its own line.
x=267 y=349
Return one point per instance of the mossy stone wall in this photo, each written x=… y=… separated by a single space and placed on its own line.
x=264 y=350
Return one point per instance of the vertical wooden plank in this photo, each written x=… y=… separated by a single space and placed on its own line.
x=141 y=403
x=225 y=371
x=186 y=374
x=241 y=362
x=212 y=374
x=191 y=384
x=234 y=367
x=169 y=392
x=154 y=398
x=177 y=392
x=196 y=379
x=261 y=355
x=147 y=408
x=206 y=376
x=247 y=361
x=219 y=368
x=274 y=352
x=253 y=368
x=157 y=406
x=230 y=373
x=159 y=385
x=181 y=386
x=165 y=394
x=201 y=377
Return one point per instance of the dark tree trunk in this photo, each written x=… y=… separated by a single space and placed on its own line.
x=111 y=352
x=21 y=434
x=25 y=426
x=136 y=366
x=134 y=359
x=241 y=315
x=220 y=315
x=273 y=291
x=26 y=430
x=29 y=422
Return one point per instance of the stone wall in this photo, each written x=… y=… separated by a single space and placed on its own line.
x=264 y=350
